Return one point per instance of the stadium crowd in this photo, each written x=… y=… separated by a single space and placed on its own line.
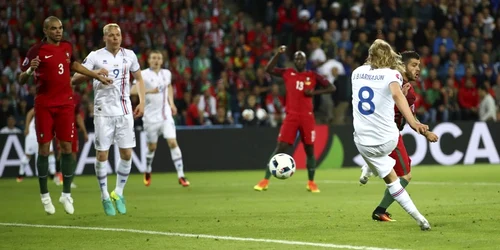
x=217 y=56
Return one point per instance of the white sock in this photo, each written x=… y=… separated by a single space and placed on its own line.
x=122 y=174
x=149 y=161
x=25 y=162
x=46 y=195
x=403 y=198
x=102 y=177
x=177 y=159
x=65 y=194
x=52 y=164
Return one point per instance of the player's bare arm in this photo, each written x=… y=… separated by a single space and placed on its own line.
x=274 y=60
x=133 y=91
x=24 y=76
x=81 y=126
x=402 y=104
x=171 y=99
x=430 y=136
x=79 y=78
x=29 y=117
x=141 y=91
x=76 y=66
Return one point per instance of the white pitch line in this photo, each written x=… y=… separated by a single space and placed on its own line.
x=203 y=236
x=427 y=183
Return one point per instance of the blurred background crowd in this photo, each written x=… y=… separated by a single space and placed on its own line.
x=217 y=51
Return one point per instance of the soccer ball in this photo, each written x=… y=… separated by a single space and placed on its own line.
x=248 y=114
x=261 y=114
x=282 y=166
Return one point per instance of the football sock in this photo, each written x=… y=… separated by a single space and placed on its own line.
x=102 y=177
x=177 y=159
x=311 y=167
x=122 y=174
x=68 y=169
x=149 y=161
x=42 y=166
x=52 y=165
x=388 y=199
x=268 y=172
x=58 y=166
x=403 y=198
x=25 y=161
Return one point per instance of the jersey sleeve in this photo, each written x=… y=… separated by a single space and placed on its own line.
x=394 y=76
x=89 y=61
x=321 y=80
x=168 y=76
x=32 y=54
x=411 y=97
x=135 y=63
x=71 y=51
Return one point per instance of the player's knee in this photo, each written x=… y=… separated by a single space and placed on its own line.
x=282 y=147
x=126 y=154
x=44 y=149
x=407 y=177
x=172 y=143
x=66 y=147
x=102 y=156
x=152 y=147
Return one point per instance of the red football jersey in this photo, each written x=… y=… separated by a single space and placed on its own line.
x=296 y=83
x=410 y=97
x=52 y=77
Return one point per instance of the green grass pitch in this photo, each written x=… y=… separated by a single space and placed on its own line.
x=461 y=203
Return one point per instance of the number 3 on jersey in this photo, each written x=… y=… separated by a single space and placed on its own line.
x=368 y=100
x=61 y=69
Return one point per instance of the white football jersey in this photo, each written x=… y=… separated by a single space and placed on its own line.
x=113 y=99
x=373 y=105
x=32 y=126
x=157 y=107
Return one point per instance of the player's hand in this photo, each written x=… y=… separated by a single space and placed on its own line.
x=282 y=49
x=35 y=63
x=431 y=137
x=102 y=72
x=174 y=109
x=309 y=92
x=85 y=137
x=154 y=91
x=105 y=80
x=420 y=128
x=405 y=88
x=139 y=110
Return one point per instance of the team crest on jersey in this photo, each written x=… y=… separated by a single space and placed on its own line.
x=124 y=60
x=308 y=81
x=398 y=76
x=67 y=54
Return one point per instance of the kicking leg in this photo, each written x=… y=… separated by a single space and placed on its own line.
x=282 y=147
x=311 y=168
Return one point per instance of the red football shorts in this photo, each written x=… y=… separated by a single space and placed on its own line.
x=303 y=123
x=56 y=121
x=403 y=161
x=74 y=143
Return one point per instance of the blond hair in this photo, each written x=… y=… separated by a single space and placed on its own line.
x=108 y=26
x=381 y=55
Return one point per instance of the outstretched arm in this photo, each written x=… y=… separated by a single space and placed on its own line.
x=270 y=67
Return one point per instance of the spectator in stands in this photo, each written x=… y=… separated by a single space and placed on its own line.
x=487 y=107
x=194 y=115
x=434 y=98
x=468 y=100
x=11 y=127
x=275 y=104
x=207 y=104
x=450 y=93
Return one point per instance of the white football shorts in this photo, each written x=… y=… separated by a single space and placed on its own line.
x=111 y=130
x=165 y=128
x=377 y=157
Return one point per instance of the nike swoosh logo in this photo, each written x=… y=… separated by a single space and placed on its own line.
x=48 y=57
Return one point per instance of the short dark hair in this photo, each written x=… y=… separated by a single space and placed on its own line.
x=408 y=55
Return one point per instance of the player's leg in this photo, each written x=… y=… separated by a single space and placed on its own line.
x=58 y=180
x=74 y=154
x=170 y=135
x=30 y=149
x=64 y=127
x=52 y=162
x=44 y=123
x=378 y=158
x=125 y=139
x=104 y=136
x=308 y=135
x=402 y=169
x=152 y=132
x=286 y=138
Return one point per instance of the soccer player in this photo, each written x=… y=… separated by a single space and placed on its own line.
x=75 y=144
x=300 y=87
x=50 y=62
x=113 y=117
x=31 y=148
x=158 y=113
x=411 y=60
x=376 y=87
